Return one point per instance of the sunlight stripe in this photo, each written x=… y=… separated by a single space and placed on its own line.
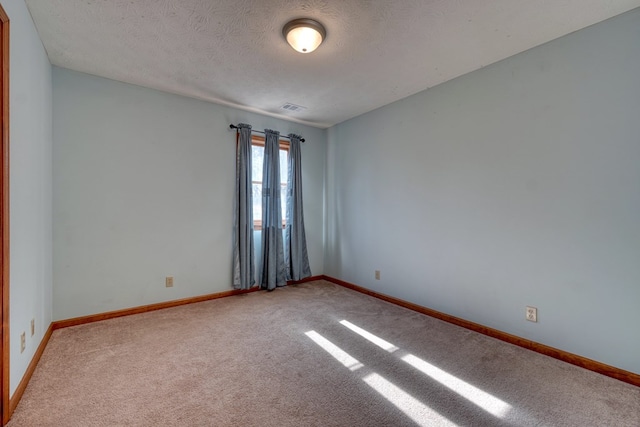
x=412 y=407
x=473 y=394
x=335 y=351
x=385 y=345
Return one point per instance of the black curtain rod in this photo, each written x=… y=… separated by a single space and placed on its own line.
x=232 y=126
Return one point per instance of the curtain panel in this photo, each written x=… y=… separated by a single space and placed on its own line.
x=243 y=248
x=295 y=248
x=273 y=265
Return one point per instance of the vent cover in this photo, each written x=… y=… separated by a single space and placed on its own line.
x=293 y=107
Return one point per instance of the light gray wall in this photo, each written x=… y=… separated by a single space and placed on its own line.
x=143 y=184
x=515 y=185
x=30 y=188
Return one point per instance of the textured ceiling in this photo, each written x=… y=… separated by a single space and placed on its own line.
x=232 y=51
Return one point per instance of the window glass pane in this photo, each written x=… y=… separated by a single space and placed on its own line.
x=283 y=166
x=257 y=202
x=283 y=200
x=283 y=182
x=257 y=154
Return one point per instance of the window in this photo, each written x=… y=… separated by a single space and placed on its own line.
x=257 y=149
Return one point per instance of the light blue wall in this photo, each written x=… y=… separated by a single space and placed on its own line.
x=30 y=188
x=515 y=185
x=143 y=184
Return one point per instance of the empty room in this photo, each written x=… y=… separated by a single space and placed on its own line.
x=320 y=213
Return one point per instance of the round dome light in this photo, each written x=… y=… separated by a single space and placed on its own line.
x=304 y=35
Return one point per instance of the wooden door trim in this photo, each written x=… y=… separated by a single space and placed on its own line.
x=4 y=213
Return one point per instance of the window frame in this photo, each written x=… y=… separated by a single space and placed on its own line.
x=284 y=145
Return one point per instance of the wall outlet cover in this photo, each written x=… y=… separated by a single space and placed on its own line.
x=531 y=314
x=23 y=342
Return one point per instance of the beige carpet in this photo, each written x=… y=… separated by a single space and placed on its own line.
x=313 y=354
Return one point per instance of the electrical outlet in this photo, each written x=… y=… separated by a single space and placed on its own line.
x=531 y=314
x=23 y=342
x=33 y=326
x=377 y=274
x=168 y=281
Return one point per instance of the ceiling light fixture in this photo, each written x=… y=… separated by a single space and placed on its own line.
x=304 y=35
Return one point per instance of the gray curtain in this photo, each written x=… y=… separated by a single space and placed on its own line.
x=243 y=253
x=295 y=241
x=273 y=266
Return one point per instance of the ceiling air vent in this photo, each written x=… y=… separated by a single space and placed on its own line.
x=293 y=107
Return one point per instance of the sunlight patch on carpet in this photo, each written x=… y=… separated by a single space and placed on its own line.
x=480 y=398
x=340 y=355
x=420 y=413
x=385 y=345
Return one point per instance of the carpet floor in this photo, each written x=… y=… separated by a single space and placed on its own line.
x=314 y=354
